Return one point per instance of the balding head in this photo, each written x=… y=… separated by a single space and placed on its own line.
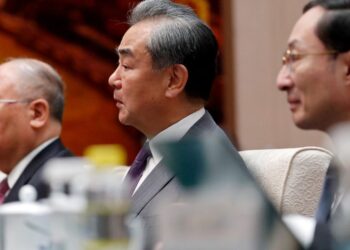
x=35 y=79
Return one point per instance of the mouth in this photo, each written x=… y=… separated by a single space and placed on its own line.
x=117 y=100
x=119 y=105
x=293 y=104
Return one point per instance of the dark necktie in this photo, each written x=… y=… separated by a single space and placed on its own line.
x=137 y=167
x=4 y=187
x=329 y=189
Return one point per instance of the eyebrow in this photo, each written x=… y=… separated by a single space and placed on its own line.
x=124 y=52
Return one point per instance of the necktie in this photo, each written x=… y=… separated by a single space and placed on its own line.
x=329 y=189
x=137 y=167
x=4 y=187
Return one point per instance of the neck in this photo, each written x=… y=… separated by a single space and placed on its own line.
x=170 y=118
x=29 y=144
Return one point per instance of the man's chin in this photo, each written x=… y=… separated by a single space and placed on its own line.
x=299 y=121
x=122 y=119
x=304 y=124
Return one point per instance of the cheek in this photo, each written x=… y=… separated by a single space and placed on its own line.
x=316 y=96
x=7 y=132
x=306 y=82
x=143 y=86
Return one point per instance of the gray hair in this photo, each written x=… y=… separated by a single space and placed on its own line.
x=36 y=79
x=180 y=37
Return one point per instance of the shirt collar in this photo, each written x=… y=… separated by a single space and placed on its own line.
x=174 y=133
x=19 y=168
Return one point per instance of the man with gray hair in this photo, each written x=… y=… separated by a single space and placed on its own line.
x=31 y=109
x=167 y=64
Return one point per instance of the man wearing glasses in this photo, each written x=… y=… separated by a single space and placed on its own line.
x=31 y=108
x=316 y=78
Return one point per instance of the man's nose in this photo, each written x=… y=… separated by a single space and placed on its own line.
x=114 y=78
x=283 y=81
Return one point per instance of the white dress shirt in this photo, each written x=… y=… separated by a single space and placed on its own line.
x=175 y=132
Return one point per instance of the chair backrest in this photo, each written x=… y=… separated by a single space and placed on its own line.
x=292 y=177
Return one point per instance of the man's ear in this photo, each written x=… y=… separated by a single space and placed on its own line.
x=39 y=113
x=177 y=81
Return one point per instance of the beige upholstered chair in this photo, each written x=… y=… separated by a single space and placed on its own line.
x=292 y=177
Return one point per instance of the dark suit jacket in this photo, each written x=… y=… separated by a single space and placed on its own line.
x=32 y=174
x=323 y=238
x=162 y=185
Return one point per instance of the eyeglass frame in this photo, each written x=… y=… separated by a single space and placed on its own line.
x=12 y=101
x=287 y=58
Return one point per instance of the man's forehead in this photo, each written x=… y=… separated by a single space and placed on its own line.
x=4 y=73
x=136 y=37
x=8 y=76
x=132 y=49
x=6 y=85
x=304 y=31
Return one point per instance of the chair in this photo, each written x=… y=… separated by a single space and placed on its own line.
x=292 y=177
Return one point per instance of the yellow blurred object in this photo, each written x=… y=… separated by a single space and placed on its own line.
x=107 y=205
x=106 y=155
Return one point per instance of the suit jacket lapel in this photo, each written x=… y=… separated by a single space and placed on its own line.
x=161 y=176
x=152 y=185
x=54 y=149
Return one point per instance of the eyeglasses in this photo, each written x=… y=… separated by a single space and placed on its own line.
x=11 y=101
x=291 y=56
